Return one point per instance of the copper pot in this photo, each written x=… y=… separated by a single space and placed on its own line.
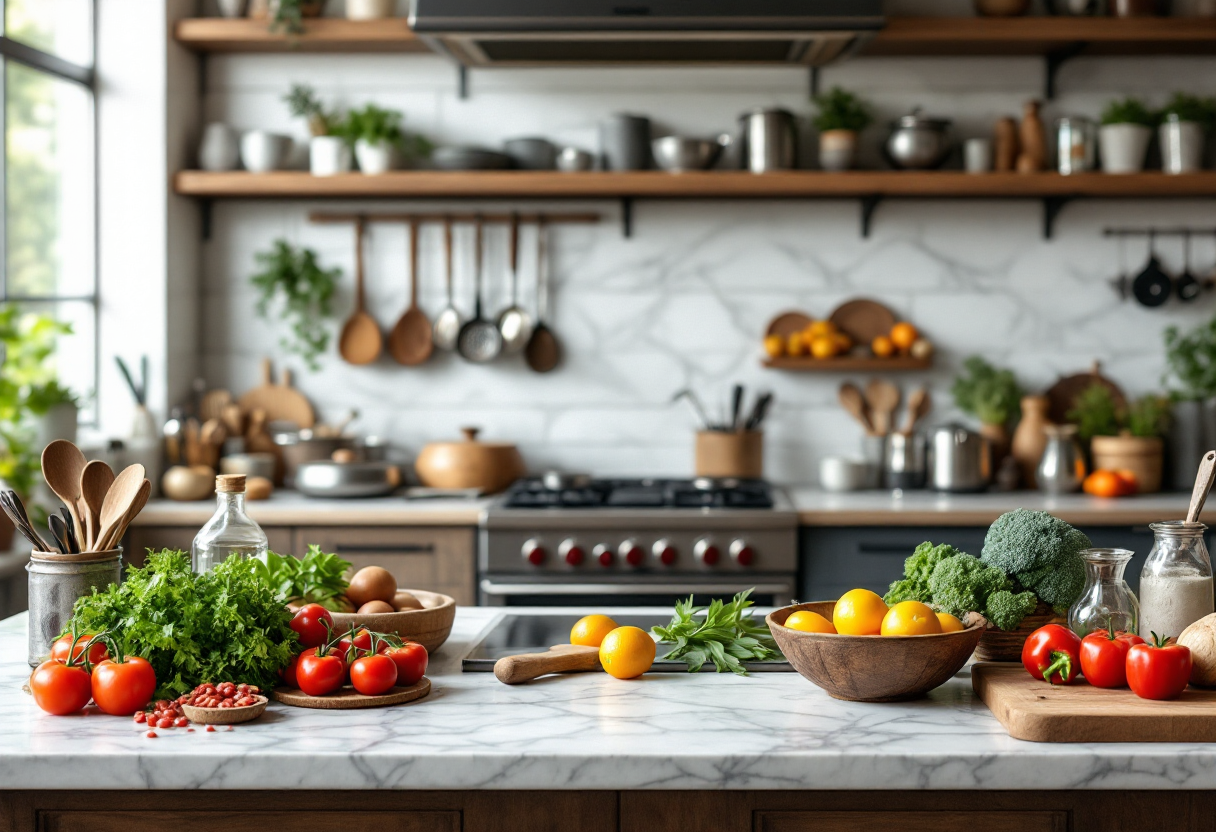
x=488 y=466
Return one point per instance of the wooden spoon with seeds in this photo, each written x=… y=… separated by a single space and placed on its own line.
x=62 y=466
x=361 y=340
x=119 y=499
x=412 y=341
x=95 y=481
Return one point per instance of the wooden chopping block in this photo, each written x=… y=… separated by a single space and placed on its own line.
x=561 y=658
x=281 y=401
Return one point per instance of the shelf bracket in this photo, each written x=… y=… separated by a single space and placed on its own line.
x=462 y=82
x=627 y=217
x=1055 y=59
x=869 y=204
x=1052 y=205
x=204 y=211
x=814 y=81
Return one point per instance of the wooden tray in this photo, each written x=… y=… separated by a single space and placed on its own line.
x=349 y=699
x=1036 y=711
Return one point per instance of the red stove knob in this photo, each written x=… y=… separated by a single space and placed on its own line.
x=743 y=554
x=571 y=552
x=705 y=551
x=533 y=552
x=632 y=553
x=664 y=552
x=604 y=555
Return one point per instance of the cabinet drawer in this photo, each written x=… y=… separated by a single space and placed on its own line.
x=140 y=539
x=949 y=821
x=200 y=821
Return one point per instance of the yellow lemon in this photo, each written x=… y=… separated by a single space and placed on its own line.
x=589 y=631
x=859 y=612
x=824 y=346
x=627 y=652
x=910 y=618
x=809 y=622
x=796 y=344
x=774 y=346
x=821 y=329
x=949 y=623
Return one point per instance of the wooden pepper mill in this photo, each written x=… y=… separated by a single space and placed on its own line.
x=1033 y=157
x=1005 y=145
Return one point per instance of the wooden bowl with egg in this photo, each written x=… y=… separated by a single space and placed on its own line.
x=413 y=614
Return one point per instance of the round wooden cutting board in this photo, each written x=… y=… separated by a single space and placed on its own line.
x=348 y=698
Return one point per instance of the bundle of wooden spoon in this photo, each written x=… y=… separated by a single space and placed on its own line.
x=99 y=506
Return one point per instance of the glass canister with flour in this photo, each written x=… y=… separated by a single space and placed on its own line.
x=1176 y=582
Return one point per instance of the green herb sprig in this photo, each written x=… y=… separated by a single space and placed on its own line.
x=316 y=578
x=727 y=635
x=306 y=291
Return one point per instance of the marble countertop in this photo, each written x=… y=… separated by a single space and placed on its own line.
x=580 y=731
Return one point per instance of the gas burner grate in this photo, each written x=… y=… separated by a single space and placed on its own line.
x=642 y=493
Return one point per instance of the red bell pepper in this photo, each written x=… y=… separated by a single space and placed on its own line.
x=1104 y=657
x=1052 y=652
x=1158 y=670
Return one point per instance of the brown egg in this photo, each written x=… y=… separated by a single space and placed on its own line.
x=372 y=583
x=375 y=607
x=405 y=600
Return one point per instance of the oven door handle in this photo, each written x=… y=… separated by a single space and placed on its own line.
x=498 y=589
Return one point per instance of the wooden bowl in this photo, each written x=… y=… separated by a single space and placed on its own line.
x=874 y=668
x=429 y=626
x=226 y=716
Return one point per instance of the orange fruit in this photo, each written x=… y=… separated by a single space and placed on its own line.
x=774 y=346
x=903 y=336
x=823 y=346
x=809 y=622
x=882 y=347
x=796 y=344
x=910 y=618
x=1104 y=483
x=627 y=652
x=859 y=612
x=821 y=329
x=589 y=631
x=949 y=623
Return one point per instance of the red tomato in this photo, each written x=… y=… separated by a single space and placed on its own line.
x=319 y=675
x=373 y=675
x=1104 y=657
x=97 y=652
x=411 y=660
x=1159 y=670
x=310 y=623
x=1052 y=652
x=59 y=688
x=362 y=642
x=122 y=689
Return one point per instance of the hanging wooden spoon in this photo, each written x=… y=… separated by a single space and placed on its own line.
x=854 y=402
x=1203 y=484
x=543 y=351
x=361 y=340
x=411 y=341
x=119 y=499
x=95 y=481
x=918 y=407
x=62 y=465
x=883 y=399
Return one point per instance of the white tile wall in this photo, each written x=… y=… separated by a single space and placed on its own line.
x=685 y=301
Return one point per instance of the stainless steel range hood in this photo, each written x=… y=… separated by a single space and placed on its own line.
x=557 y=32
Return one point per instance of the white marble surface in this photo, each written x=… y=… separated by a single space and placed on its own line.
x=586 y=731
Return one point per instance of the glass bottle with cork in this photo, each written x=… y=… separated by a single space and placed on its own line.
x=230 y=532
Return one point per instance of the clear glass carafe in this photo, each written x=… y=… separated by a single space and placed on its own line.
x=1176 y=582
x=230 y=532
x=1107 y=600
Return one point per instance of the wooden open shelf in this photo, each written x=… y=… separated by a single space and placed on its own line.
x=849 y=364
x=331 y=34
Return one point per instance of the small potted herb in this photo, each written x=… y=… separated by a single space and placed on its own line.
x=841 y=118
x=328 y=149
x=376 y=133
x=285 y=15
x=992 y=396
x=1128 y=439
x=303 y=290
x=1185 y=121
x=1127 y=129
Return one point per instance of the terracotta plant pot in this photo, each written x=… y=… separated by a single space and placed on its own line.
x=1029 y=439
x=488 y=466
x=1144 y=456
x=1001 y=646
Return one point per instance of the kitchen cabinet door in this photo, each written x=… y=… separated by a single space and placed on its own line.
x=140 y=539
x=436 y=559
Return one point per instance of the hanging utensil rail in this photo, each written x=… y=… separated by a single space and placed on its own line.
x=502 y=219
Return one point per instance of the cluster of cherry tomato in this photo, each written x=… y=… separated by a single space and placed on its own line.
x=1108 y=659
x=373 y=663
x=223 y=695
x=88 y=666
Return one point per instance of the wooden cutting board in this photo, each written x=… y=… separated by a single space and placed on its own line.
x=348 y=698
x=1035 y=711
x=281 y=401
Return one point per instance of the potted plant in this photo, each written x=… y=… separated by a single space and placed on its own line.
x=1185 y=121
x=1190 y=359
x=992 y=396
x=294 y=280
x=1137 y=444
x=285 y=15
x=328 y=147
x=1127 y=129
x=376 y=133
x=842 y=116
x=369 y=9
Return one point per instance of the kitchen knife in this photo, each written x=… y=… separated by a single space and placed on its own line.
x=759 y=411
x=561 y=658
x=736 y=401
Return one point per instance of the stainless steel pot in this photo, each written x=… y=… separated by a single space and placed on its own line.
x=768 y=141
x=904 y=463
x=304 y=446
x=677 y=154
x=918 y=142
x=347 y=479
x=960 y=460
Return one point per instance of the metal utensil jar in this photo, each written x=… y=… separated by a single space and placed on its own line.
x=1076 y=145
x=54 y=586
x=768 y=141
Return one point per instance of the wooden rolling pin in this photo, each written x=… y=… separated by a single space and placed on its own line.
x=561 y=658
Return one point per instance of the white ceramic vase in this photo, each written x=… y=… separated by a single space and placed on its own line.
x=1181 y=145
x=263 y=151
x=231 y=8
x=328 y=156
x=837 y=149
x=1124 y=147
x=376 y=157
x=220 y=148
x=370 y=9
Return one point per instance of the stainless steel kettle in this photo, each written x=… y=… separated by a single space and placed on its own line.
x=960 y=460
x=768 y=141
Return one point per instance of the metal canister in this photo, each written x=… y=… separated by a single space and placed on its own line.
x=1076 y=145
x=55 y=585
x=904 y=466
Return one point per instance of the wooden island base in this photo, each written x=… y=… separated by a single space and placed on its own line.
x=606 y=811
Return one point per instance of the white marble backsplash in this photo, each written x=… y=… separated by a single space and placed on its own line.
x=684 y=302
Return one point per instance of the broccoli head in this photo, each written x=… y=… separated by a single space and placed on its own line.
x=917 y=569
x=1006 y=610
x=962 y=583
x=1042 y=552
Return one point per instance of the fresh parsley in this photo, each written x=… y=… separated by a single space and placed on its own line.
x=317 y=578
x=727 y=635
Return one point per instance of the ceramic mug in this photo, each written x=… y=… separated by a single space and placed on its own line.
x=263 y=151
x=977 y=155
x=220 y=149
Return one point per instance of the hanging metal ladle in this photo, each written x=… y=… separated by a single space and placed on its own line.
x=1187 y=286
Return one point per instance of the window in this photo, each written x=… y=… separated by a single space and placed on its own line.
x=48 y=233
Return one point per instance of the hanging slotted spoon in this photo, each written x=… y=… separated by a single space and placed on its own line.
x=479 y=341
x=543 y=352
x=514 y=322
x=449 y=322
x=410 y=341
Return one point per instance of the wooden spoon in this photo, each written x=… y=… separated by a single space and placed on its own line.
x=562 y=658
x=137 y=505
x=543 y=351
x=411 y=341
x=62 y=465
x=883 y=399
x=119 y=499
x=361 y=340
x=919 y=404
x=854 y=402
x=95 y=481
x=1203 y=484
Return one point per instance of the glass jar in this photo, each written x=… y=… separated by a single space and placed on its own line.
x=1176 y=582
x=1107 y=601
x=230 y=532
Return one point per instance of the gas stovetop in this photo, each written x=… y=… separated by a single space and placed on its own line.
x=587 y=493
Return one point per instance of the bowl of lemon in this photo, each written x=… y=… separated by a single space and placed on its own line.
x=859 y=649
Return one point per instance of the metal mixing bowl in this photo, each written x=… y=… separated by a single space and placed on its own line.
x=918 y=142
x=676 y=154
x=347 y=479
